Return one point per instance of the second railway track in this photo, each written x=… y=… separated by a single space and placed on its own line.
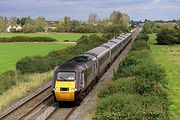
x=24 y=108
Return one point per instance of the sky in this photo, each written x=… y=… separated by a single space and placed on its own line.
x=80 y=9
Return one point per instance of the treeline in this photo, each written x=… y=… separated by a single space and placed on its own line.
x=167 y=34
x=116 y=22
x=28 y=39
x=138 y=90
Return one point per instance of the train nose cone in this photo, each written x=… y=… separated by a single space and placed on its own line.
x=65 y=90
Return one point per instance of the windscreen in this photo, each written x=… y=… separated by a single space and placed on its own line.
x=66 y=76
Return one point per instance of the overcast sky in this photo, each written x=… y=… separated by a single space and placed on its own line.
x=80 y=9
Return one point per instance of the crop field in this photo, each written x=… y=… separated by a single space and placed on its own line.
x=58 y=36
x=10 y=53
x=169 y=58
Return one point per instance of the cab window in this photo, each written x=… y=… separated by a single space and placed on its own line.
x=66 y=76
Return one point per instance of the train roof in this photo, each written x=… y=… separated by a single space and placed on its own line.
x=116 y=41
x=109 y=44
x=98 y=51
x=79 y=63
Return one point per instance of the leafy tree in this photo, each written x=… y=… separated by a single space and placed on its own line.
x=13 y=21
x=40 y=24
x=93 y=18
x=2 y=24
x=149 y=27
x=168 y=35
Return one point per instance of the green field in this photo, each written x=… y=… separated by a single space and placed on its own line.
x=58 y=36
x=169 y=58
x=10 y=53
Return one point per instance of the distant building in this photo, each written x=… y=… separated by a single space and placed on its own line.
x=14 y=28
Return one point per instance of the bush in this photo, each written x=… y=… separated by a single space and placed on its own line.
x=33 y=64
x=168 y=36
x=27 y=39
x=118 y=86
x=4 y=40
x=131 y=107
x=8 y=79
x=140 y=45
x=142 y=37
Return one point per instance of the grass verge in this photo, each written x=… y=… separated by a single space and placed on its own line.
x=169 y=58
x=22 y=88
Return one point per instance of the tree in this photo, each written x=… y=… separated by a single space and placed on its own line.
x=13 y=21
x=93 y=18
x=29 y=26
x=2 y=24
x=168 y=35
x=149 y=27
x=65 y=24
x=40 y=24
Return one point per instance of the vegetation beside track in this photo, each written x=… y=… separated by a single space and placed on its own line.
x=50 y=61
x=18 y=85
x=138 y=90
x=168 y=57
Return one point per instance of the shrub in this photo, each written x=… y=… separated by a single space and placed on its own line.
x=33 y=64
x=142 y=37
x=131 y=107
x=140 y=45
x=8 y=79
x=27 y=39
x=118 y=86
x=168 y=36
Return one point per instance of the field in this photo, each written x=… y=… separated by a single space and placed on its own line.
x=169 y=58
x=10 y=53
x=59 y=36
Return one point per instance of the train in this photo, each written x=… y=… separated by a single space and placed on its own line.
x=74 y=78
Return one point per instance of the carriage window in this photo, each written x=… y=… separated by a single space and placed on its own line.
x=66 y=76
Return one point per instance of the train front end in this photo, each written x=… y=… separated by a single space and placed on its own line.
x=65 y=86
x=67 y=82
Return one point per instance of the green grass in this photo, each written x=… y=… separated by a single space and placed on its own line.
x=169 y=58
x=59 y=36
x=10 y=53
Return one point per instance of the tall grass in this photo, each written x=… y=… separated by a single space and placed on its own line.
x=22 y=85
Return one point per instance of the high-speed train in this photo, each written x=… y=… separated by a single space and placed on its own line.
x=77 y=76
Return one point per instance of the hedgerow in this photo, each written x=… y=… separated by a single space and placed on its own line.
x=42 y=64
x=27 y=39
x=138 y=90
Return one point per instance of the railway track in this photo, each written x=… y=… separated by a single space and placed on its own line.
x=27 y=106
x=60 y=113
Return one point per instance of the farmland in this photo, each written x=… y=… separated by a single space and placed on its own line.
x=168 y=57
x=10 y=53
x=58 y=36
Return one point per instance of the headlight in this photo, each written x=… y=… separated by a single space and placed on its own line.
x=55 y=89
x=73 y=89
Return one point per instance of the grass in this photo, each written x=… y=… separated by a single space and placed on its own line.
x=10 y=53
x=22 y=88
x=169 y=58
x=58 y=36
